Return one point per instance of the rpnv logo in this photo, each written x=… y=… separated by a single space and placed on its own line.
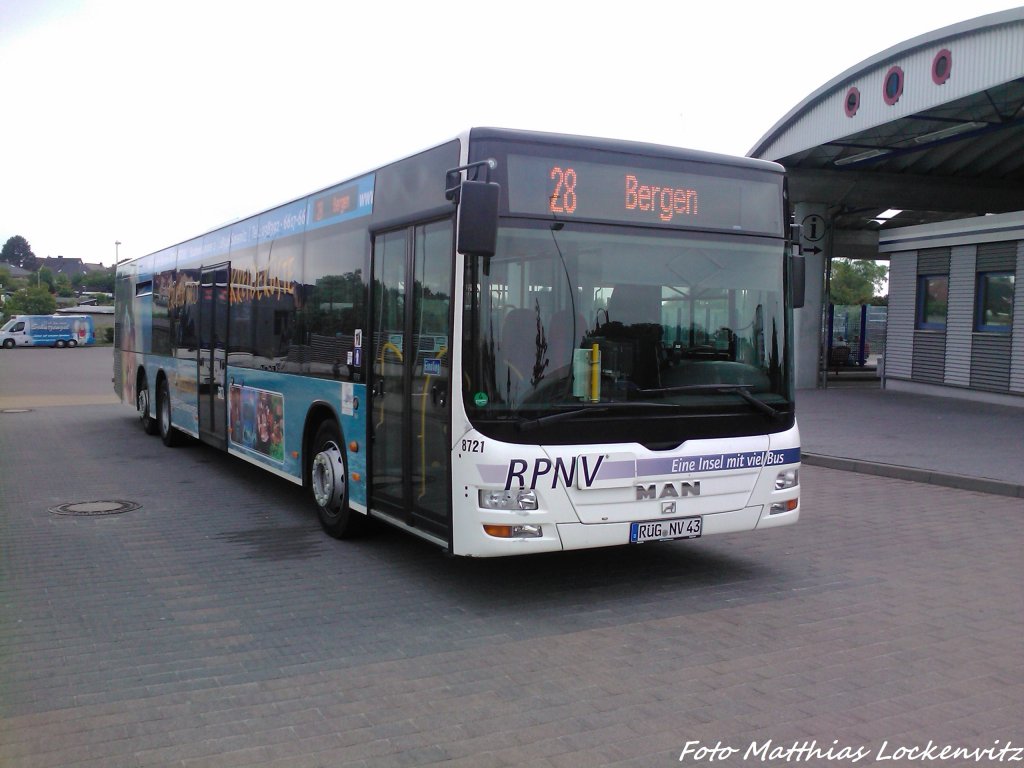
x=559 y=469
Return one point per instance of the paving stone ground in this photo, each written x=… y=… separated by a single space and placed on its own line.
x=216 y=626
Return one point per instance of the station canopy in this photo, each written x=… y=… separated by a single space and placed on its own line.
x=929 y=130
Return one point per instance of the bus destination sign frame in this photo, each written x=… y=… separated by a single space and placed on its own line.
x=567 y=189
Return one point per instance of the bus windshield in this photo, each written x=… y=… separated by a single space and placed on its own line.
x=569 y=317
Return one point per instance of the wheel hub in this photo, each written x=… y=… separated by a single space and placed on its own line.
x=328 y=477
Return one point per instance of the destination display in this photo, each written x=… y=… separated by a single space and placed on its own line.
x=566 y=189
x=346 y=201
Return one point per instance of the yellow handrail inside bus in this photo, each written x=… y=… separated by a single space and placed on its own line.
x=423 y=429
x=380 y=361
x=394 y=348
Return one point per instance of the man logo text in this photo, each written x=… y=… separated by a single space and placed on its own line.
x=667 y=491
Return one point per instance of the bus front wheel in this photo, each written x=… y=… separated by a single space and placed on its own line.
x=328 y=482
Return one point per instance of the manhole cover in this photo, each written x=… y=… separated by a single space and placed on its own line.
x=93 y=508
x=16 y=410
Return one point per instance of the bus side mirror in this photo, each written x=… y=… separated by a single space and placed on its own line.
x=798 y=279
x=478 y=218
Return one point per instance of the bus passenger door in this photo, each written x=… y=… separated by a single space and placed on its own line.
x=412 y=275
x=212 y=355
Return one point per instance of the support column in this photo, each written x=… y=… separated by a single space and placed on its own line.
x=814 y=242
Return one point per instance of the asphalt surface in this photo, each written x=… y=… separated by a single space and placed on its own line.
x=214 y=625
x=36 y=377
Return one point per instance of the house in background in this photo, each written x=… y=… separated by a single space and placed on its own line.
x=15 y=271
x=62 y=265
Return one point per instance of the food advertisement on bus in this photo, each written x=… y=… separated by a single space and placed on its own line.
x=257 y=421
x=266 y=420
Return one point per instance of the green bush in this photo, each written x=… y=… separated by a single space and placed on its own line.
x=34 y=300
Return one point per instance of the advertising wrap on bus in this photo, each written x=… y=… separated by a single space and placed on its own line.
x=508 y=343
x=47 y=331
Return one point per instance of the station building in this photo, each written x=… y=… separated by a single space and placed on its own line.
x=916 y=156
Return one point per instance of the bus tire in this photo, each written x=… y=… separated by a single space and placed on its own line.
x=8 y=343
x=171 y=437
x=72 y=343
x=142 y=401
x=328 y=483
x=59 y=343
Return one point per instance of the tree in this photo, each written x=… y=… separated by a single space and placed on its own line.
x=45 y=277
x=99 y=280
x=63 y=285
x=35 y=300
x=856 y=281
x=17 y=251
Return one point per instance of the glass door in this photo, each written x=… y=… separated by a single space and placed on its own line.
x=411 y=364
x=388 y=389
x=212 y=354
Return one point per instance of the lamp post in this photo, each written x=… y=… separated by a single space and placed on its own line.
x=117 y=245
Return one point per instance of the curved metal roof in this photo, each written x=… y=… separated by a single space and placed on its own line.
x=933 y=126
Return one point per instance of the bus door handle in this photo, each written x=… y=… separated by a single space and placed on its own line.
x=439 y=395
x=378 y=388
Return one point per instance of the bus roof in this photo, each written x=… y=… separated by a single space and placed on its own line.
x=623 y=146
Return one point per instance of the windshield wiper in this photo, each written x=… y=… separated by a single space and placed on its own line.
x=743 y=390
x=527 y=425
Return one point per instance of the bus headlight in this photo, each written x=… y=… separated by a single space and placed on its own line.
x=787 y=478
x=520 y=499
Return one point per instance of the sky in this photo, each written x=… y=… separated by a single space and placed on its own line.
x=148 y=123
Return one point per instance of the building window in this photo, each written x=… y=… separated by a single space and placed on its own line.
x=852 y=103
x=932 y=300
x=892 y=86
x=942 y=65
x=995 y=302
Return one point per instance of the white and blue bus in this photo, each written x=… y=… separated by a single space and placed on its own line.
x=512 y=342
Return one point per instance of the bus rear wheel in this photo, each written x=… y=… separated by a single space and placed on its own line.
x=170 y=436
x=149 y=423
x=328 y=482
